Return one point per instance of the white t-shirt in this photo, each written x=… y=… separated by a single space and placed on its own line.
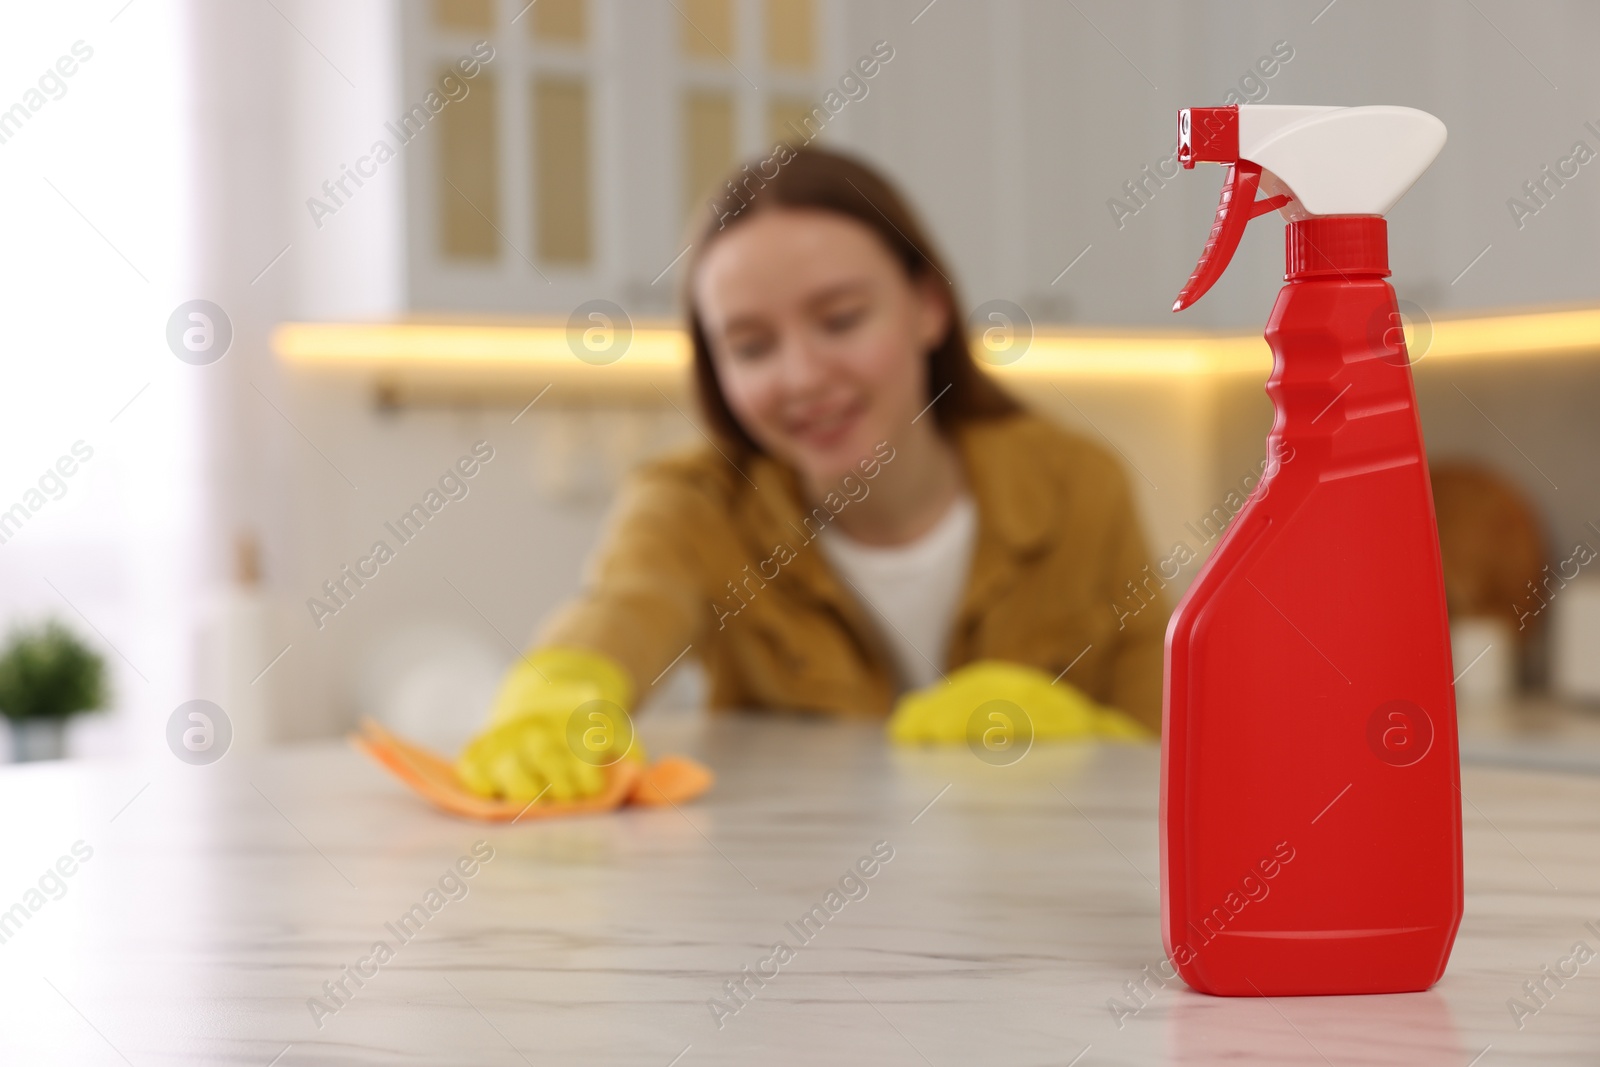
x=912 y=591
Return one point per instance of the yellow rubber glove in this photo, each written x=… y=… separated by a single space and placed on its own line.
x=1025 y=704
x=559 y=719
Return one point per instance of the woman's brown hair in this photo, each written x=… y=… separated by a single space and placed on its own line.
x=829 y=181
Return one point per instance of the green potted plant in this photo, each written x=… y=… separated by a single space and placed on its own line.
x=47 y=675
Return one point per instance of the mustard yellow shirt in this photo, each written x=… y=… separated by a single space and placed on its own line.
x=705 y=558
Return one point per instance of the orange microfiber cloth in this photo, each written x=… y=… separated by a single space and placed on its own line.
x=669 y=780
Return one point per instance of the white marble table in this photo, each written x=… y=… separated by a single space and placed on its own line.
x=1019 y=900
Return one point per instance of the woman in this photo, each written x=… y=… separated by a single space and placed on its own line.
x=870 y=512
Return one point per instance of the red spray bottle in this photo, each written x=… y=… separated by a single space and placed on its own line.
x=1310 y=797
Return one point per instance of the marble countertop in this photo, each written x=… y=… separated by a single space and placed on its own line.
x=210 y=915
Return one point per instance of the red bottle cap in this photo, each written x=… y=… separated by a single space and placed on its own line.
x=1342 y=245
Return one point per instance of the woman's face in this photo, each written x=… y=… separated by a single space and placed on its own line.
x=818 y=337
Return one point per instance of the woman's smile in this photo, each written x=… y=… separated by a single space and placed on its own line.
x=823 y=430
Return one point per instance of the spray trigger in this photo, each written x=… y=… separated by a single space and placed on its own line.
x=1236 y=208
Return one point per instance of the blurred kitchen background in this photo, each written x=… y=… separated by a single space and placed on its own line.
x=370 y=313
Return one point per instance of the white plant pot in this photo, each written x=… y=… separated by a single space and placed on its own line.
x=38 y=739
